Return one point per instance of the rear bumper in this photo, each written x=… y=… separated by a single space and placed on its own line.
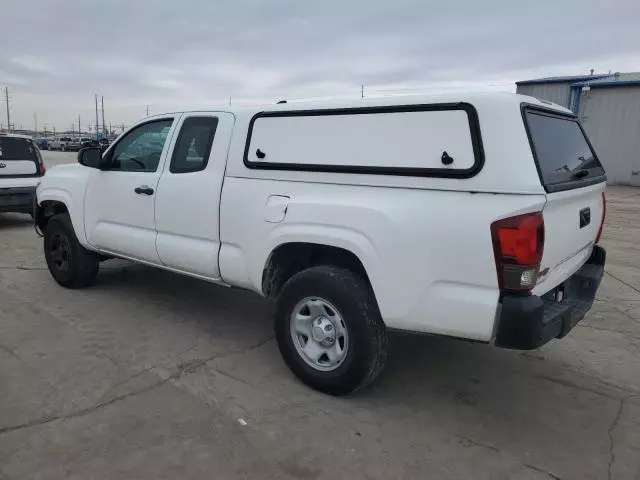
x=18 y=199
x=528 y=322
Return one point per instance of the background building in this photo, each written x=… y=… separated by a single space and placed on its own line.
x=609 y=108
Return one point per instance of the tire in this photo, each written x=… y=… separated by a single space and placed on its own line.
x=349 y=298
x=70 y=264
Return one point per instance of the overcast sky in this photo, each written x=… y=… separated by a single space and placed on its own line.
x=54 y=55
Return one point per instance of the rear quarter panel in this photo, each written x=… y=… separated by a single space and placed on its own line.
x=428 y=253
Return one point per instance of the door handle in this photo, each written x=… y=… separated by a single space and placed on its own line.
x=143 y=190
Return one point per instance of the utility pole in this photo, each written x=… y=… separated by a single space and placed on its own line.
x=104 y=127
x=6 y=97
x=147 y=110
x=96 y=96
x=35 y=121
x=123 y=128
x=79 y=127
x=362 y=91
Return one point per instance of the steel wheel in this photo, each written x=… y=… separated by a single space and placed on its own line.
x=60 y=252
x=319 y=334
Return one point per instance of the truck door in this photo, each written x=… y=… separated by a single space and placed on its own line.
x=120 y=201
x=188 y=197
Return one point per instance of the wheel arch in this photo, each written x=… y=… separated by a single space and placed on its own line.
x=288 y=258
x=56 y=201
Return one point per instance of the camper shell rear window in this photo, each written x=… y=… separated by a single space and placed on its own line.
x=564 y=156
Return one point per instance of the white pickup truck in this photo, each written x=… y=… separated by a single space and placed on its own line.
x=474 y=216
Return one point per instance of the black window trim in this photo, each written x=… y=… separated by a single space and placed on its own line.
x=549 y=112
x=113 y=146
x=179 y=137
x=474 y=130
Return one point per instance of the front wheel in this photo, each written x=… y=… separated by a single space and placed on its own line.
x=329 y=330
x=70 y=264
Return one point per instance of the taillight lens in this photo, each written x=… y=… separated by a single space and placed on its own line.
x=518 y=243
x=604 y=212
x=42 y=168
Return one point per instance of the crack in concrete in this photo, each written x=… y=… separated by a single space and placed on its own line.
x=476 y=443
x=612 y=443
x=183 y=368
x=11 y=352
x=567 y=383
x=231 y=376
x=538 y=469
x=622 y=281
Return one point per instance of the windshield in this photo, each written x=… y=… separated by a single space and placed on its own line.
x=562 y=151
x=16 y=148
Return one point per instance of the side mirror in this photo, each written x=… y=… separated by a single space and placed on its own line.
x=90 y=157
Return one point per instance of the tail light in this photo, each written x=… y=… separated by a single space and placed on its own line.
x=41 y=167
x=518 y=243
x=604 y=213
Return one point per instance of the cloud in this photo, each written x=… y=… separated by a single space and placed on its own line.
x=56 y=54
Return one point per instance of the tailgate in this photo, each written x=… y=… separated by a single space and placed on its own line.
x=575 y=182
x=572 y=220
x=18 y=157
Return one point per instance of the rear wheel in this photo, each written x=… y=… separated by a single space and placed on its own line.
x=70 y=264
x=329 y=330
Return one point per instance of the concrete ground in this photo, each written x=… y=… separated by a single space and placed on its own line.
x=152 y=375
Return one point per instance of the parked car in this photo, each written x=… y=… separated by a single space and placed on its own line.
x=104 y=144
x=76 y=143
x=470 y=216
x=42 y=143
x=89 y=142
x=21 y=168
x=60 y=143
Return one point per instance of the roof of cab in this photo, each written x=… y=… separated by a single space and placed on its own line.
x=392 y=100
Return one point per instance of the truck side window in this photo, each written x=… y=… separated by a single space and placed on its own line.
x=141 y=148
x=191 y=153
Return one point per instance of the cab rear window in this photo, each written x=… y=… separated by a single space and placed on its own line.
x=16 y=148
x=563 y=154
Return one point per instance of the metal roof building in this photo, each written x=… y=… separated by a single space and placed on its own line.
x=609 y=108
